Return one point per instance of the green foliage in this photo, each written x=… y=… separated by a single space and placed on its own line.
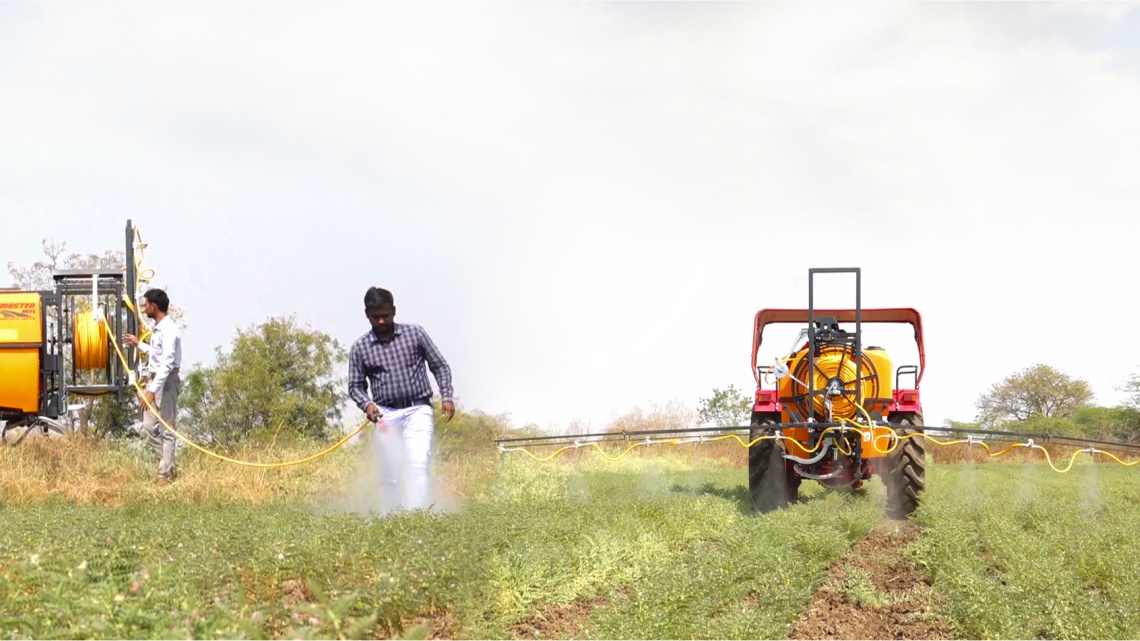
x=1132 y=388
x=1054 y=425
x=1092 y=422
x=1039 y=391
x=109 y=417
x=677 y=557
x=278 y=377
x=727 y=407
x=958 y=425
x=1109 y=423
x=640 y=548
x=469 y=434
x=1018 y=552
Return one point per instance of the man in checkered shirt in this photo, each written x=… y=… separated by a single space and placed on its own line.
x=391 y=360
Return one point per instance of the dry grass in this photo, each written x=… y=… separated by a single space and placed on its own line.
x=674 y=415
x=87 y=470
x=83 y=470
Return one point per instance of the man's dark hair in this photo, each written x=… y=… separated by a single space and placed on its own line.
x=378 y=297
x=159 y=298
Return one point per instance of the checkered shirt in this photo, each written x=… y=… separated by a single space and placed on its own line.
x=394 y=369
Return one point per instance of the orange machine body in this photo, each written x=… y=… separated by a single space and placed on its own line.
x=21 y=345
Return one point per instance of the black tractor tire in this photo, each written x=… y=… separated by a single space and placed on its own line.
x=768 y=483
x=905 y=473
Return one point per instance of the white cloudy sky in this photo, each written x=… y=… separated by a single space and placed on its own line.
x=586 y=203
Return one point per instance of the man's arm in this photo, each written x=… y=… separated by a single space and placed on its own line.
x=357 y=382
x=438 y=366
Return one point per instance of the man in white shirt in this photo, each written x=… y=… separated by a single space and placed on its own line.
x=163 y=385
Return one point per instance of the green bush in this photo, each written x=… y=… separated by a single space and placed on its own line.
x=1109 y=423
x=277 y=379
x=1101 y=423
x=469 y=433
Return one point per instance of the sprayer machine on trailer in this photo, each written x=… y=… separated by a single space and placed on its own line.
x=62 y=344
x=55 y=344
x=838 y=415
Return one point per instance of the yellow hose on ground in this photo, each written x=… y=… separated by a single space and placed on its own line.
x=91 y=353
x=152 y=408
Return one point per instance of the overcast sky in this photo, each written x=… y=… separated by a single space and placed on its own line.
x=586 y=204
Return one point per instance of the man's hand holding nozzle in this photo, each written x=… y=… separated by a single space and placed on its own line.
x=374 y=415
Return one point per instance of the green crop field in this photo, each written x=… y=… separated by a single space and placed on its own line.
x=656 y=545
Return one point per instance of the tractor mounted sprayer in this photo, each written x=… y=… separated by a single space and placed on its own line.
x=838 y=407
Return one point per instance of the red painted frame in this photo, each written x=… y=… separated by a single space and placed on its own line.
x=905 y=400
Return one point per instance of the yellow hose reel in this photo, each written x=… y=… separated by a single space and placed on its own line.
x=837 y=374
x=92 y=341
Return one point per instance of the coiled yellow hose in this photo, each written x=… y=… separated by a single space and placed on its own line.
x=836 y=362
x=92 y=344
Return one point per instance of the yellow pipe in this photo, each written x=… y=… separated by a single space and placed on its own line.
x=899 y=439
x=143 y=333
x=152 y=408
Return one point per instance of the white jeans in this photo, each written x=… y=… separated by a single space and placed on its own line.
x=405 y=437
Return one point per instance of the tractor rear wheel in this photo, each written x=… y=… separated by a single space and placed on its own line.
x=905 y=474
x=768 y=484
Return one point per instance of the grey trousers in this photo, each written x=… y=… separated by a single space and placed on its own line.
x=161 y=438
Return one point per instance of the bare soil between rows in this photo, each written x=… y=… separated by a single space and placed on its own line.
x=874 y=592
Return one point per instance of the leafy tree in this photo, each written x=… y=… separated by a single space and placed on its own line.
x=955 y=425
x=1132 y=388
x=1039 y=391
x=471 y=432
x=1109 y=423
x=726 y=407
x=38 y=275
x=278 y=376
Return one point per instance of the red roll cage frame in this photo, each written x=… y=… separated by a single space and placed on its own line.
x=904 y=315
